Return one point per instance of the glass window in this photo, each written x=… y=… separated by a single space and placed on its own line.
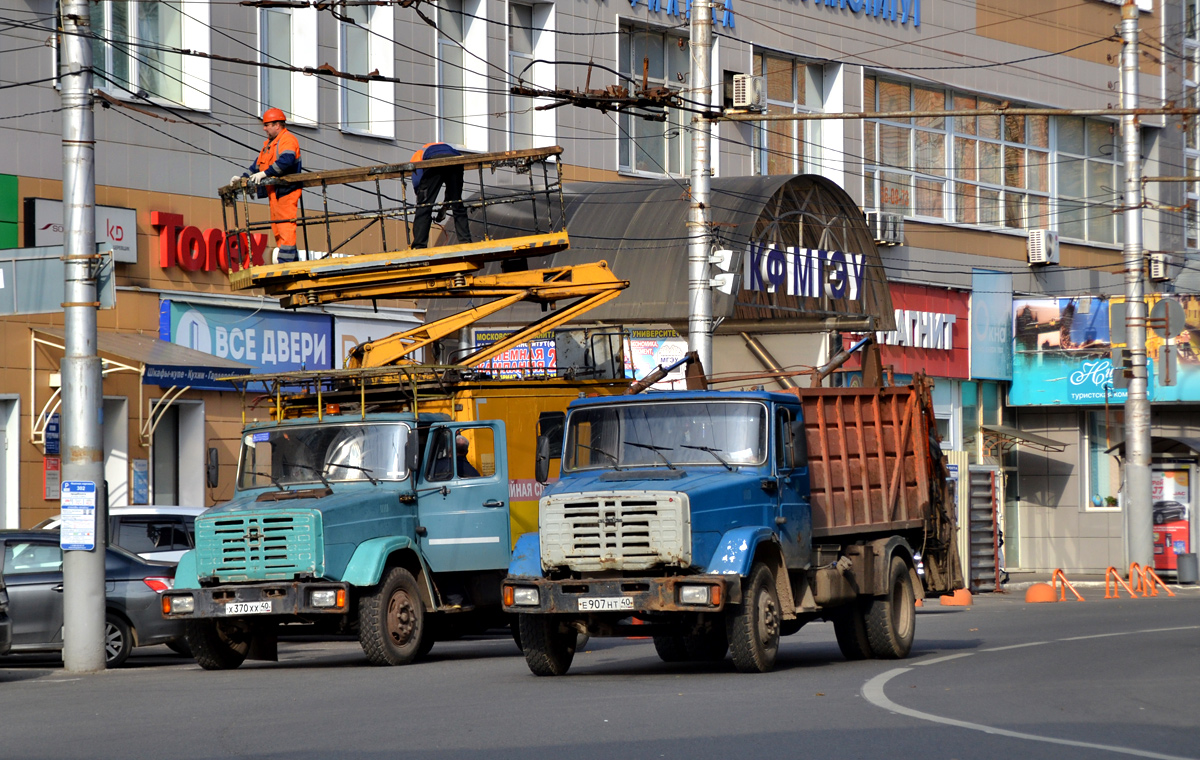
x=551 y=425
x=451 y=34
x=662 y=60
x=1089 y=179
x=789 y=147
x=28 y=557
x=142 y=535
x=970 y=420
x=356 y=47
x=130 y=50
x=1103 y=472
x=1191 y=144
x=336 y=452
x=521 y=34
x=475 y=453
x=666 y=435
x=276 y=41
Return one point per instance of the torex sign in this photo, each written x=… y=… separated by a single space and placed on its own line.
x=193 y=251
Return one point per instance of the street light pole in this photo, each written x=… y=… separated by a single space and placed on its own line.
x=82 y=449
x=1139 y=541
x=699 y=288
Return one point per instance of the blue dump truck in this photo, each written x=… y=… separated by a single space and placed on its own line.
x=720 y=521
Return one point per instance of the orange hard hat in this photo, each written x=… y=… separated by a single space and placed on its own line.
x=273 y=114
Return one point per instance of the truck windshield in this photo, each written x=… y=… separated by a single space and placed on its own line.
x=333 y=452
x=725 y=433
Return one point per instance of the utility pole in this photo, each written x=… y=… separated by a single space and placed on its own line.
x=1139 y=543
x=699 y=288
x=82 y=450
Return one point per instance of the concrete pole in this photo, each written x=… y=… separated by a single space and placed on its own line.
x=82 y=449
x=1139 y=542
x=699 y=290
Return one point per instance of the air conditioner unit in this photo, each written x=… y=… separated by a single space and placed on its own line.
x=886 y=229
x=1042 y=247
x=749 y=92
x=1160 y=267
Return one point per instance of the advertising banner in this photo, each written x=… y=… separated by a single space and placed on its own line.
x=646 y=349
x=535 y=357
x=991 y=325
x=931 y=332
x=116 y=227
x=348 y=332
x=267 y=341
x=1171 y=494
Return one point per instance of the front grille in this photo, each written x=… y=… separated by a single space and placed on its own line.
x=615 y=530
x=264 y=546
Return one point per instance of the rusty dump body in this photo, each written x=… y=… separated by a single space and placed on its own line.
x=875 y=467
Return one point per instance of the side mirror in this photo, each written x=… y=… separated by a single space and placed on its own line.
x=799 y=445
x=541 y=463
x=212 y=470
x=412 y=453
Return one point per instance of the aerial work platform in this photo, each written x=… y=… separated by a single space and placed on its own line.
x=448 y=271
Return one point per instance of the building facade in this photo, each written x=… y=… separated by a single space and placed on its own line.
x=183 y=84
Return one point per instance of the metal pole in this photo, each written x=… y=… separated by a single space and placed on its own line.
x=699 y=290
x=82 y=449
x=1139 y=543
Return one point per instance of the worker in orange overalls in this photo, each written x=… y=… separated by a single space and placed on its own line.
x=280 y=156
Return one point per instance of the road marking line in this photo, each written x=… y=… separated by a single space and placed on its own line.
x=1015 y=646
x=1130 y=633
x=936 y=660
x=872 y=691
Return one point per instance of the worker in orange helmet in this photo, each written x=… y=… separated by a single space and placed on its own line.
x=428 y=183
x=280 y=156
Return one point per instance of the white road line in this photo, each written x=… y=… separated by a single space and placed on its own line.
x=1130 y=633
x=936 y=660
x=1015 y=646
x=872 y=691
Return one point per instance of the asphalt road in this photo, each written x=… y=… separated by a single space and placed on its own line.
x=1002 y=679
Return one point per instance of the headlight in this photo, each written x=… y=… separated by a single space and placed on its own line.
x=328 y=597
x=181 y=605
x=521 y=596
x=693 y=594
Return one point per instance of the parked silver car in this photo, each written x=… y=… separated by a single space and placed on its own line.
x=32 y=573
x=153 y=532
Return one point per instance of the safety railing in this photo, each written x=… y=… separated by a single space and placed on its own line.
x=1148 y=580
x=1061 y=584
x=338 y=221
x=1113 y=583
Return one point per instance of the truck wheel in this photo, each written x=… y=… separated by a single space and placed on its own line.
x=218 y=644
x=850 y=627
x=710 y=646
x=118 y=641
x=891 y=619
x=549 y=648
x=671 y=648
x=514 y=627
x=392 y=626
x=754 y=628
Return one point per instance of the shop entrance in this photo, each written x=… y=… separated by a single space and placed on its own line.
x=115 y=432
x=177 y=456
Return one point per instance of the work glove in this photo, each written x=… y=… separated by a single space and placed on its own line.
x=235 y=179
x=257 y=178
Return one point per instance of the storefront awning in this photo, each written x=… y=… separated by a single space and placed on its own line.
x=1162 y=445
x=161 y=363
x=1004 y=437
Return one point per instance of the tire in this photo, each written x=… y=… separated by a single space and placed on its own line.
x=753 y=628
x=892 y=619
x=393 y=628
x=118 y=641
x=710 y=646
x=1159 y=519
x=548 y=648
x=180 y=646
x=514 y=627
x=671 y=648
x=218 y=644
x=850 y=627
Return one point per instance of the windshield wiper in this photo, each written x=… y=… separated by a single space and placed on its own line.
x=363 y=470
x=710 y=450
x=311 y=469
x=656 y=449
x=274 y=481
x=616 y=465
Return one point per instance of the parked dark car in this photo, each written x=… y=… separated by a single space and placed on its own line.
x=1169 y=511
x=32 y=573
x=5 y=621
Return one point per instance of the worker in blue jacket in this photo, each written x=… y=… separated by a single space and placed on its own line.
x=428 y=183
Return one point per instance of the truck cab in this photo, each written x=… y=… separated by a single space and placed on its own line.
x=694 y=512
x=390 y=525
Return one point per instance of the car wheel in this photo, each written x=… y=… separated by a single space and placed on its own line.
x=218 y=644
x=1159 y=518
x=118 y=641
x=753 y=628
x=392 y=626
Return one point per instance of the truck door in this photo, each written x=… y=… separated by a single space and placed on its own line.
x=791 y=469
x=463 y=504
